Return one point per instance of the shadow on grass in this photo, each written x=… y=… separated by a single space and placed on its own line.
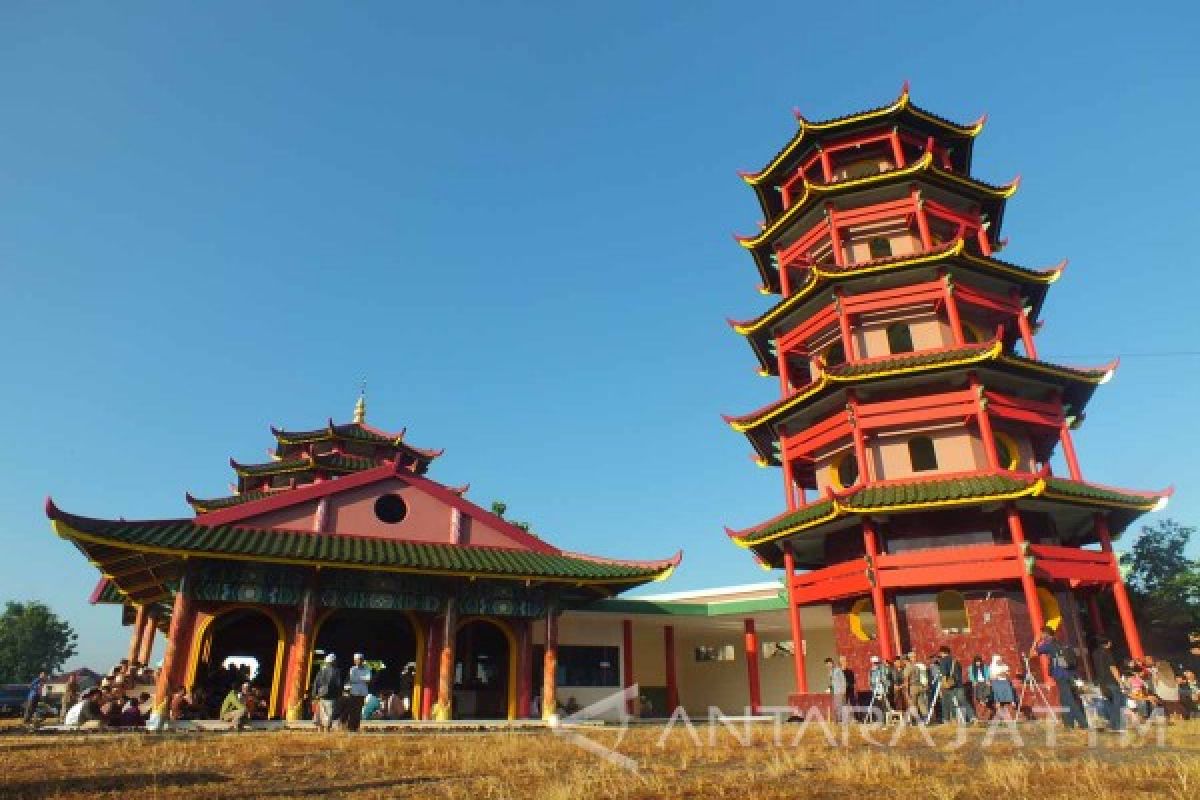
x=96 y=784
x=337 y=789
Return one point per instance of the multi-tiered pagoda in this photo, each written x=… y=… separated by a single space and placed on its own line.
x=916 y=421
x=340 y=544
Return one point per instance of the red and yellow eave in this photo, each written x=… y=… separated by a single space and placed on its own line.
x=805 y=127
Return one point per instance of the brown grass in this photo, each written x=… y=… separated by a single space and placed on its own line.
x=542 y=765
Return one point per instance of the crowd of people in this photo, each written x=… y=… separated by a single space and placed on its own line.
x=940 y=688
x=343 y=701
x=118 y=701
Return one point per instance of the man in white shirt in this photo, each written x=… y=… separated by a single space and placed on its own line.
x=359 y=678
x=85 y=714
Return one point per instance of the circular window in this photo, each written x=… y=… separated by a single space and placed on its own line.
x=862 y=620
x=845 y=471
x=1007 y=452
x=391 y=508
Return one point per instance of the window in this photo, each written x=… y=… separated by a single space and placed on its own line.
x=391 y=508
x=899 y=337
x=721 y=652
x=922 y=454
x=862 y=620
x=844 y=470
x=952 y=612
x=835 y=354
x=1007 y=452
x=880 y=246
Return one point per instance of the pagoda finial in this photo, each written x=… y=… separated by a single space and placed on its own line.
x=360 y=407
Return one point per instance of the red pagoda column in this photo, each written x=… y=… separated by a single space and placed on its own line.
x=627 y=662
x=176 y=650
x=752 y=678
x=429 y=674
x=297 y=681
x=952 y=315
x=146 y=646
x=135 y=638
x=789 y=564
x=1124 y=609
x=444 y=708
x=669 y=655
x=1016 y=529
x=878 y=602
x=550 y=665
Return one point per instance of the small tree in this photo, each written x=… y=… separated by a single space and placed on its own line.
x=32 y=639
x=1164 y=587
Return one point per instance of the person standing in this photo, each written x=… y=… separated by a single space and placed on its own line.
x=359 y=678
x=981 y=687
x=851 y=696
x=327 y=688
x=837 y=689
x=407 y=680
x=70 y=693
x=234 y=709
x=36 y=689
x=954 y=696
x=1062 y=669
x=1108 y=678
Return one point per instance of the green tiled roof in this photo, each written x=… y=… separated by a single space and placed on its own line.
x=349 y=430
x=1102 y=494
x=333 y=461
x=908 y=360
x=213 y=503
x=184 y=537
x=934 y=491
x=797 y=519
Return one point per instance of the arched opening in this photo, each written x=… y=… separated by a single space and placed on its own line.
x=899 y=337
x=952 y=612
x=484 y=670
x=1051 y=613
x=389 y=641
x=922 y=454
x=1007 y=452
x=862 y=620
x=844 y=470
x=238 y=645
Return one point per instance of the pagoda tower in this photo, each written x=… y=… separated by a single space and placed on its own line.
x=916 y=420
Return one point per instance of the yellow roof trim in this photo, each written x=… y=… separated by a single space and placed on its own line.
x=67 y=532
x=805 y=125
x=1038 y=366
x=971 y=130
x=1046 y=278
x=840 y=509
x=800 y=204
x=826 y=379
x=1091 y=501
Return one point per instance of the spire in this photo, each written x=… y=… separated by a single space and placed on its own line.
x=360 y=408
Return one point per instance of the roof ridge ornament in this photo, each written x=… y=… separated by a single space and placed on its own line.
x=360 y=407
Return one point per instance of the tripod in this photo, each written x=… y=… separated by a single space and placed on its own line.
x=1030 y=680
x=879 y=693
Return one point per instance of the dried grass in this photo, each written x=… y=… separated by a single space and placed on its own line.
x=499 y=766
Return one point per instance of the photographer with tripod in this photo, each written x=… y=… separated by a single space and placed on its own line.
x=953 y=693
x=1063 y=663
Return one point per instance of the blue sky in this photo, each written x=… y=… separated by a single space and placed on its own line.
x=514 y=219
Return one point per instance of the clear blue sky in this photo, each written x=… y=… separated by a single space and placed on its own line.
x=515 y=220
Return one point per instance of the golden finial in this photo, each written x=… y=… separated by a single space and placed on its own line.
x=360 y=408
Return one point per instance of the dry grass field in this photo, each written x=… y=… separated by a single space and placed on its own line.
x=545 y=765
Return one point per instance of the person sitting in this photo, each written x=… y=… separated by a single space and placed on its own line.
x=131 y=714
x=372 y=707
x=85 y=714
x=393 y=707
x=233 y=709
x=179 y=705
x=1004 y=697
x=572 y=706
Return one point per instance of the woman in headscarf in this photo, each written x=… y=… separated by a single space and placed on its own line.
x=1003 y=694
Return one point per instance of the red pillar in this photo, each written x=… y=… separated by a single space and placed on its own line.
x=1023 y=325
x=835 y=237
x=1120 y=594
x=627 y=661
x=296 y=681
x=878 y=601
x=669 y=655
x=860 y=441
x=844 y=327
x=952 y=315
x=789 y=565
x=443 y=709
x=146 y=648
x=922 y=220
x=135 y=637
x=550 y=665
x=789 y=482
x=1069 y=454
x=826 y=167
x=1017 y=530
x=176 y=651
x=429 y=674
x=897 y=149
x=751 y=638
x=985 y=424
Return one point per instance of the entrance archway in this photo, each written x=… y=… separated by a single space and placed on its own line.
x=485 y=670
x=239 y=636
x=390 y=637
